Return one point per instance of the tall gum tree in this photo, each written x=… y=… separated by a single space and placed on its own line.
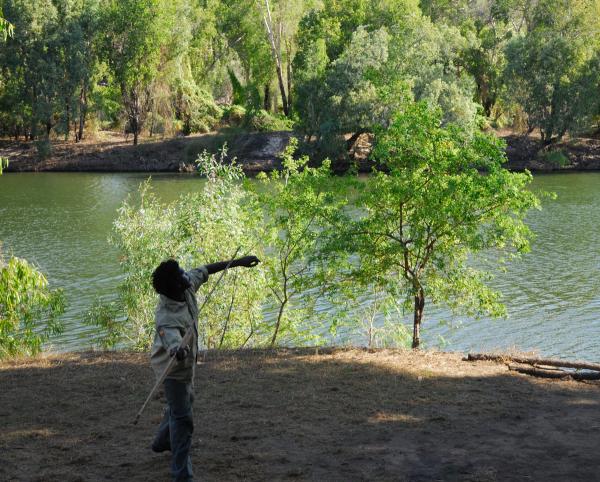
x=135 y=31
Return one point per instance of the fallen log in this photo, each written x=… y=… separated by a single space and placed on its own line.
x=539 y=372
x=557 y=374
x=553 y=362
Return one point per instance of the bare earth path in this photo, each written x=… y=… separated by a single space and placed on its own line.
x=335 y=415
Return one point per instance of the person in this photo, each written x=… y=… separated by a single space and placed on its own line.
x=176 y=312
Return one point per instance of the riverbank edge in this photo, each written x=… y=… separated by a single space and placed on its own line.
x=306 y=413
x=260 y=152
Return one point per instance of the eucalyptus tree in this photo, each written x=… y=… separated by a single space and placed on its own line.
x=48 y=65
x=429 y=209
x=252 y=67
x=135 y=31
x=359 y=60
x=547 y=68
x=281 y=19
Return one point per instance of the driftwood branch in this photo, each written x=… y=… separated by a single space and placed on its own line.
x=552 y=362
x=557 y=374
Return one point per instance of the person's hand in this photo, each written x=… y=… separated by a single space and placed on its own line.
x=248 y=261
x=179 y=352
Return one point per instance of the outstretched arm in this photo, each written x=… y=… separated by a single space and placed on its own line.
x=246 y=261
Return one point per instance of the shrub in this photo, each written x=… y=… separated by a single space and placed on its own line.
x=29 y=310
x=556 y=158
x=263 y=121
x=234 y=115
x=201 y=227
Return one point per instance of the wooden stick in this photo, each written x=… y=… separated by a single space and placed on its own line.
x=184 y=342
x=582 y=365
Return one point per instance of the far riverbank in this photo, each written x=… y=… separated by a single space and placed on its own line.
x=301 y=414
x=257 y=152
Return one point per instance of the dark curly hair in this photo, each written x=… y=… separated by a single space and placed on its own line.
x=167 y=280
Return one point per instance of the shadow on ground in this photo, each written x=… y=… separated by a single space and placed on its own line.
x=301 y=415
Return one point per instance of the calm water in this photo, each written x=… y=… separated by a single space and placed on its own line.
x=61 y=222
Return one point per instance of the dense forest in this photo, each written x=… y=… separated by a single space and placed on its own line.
x=330 y=69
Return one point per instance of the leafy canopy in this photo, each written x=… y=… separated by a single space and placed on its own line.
x=442 y=196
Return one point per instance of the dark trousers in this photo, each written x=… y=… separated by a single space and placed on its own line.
x=176 y=428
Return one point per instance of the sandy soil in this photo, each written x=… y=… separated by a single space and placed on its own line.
x=335 y=415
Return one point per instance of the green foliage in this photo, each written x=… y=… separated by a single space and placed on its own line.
x=297 y=203
x=547 y=70
x=29 y=310
x=3 y=164
x=6 y=28
x=556 y=158
x=196 y=108
x=47 y=64
x=234 y=115
x=263 y=121
x=135 y=33
x=106 y=317
x=202 y=227
x=349 y=81
x=336 y=67
x=281 y=220
x=431 y=209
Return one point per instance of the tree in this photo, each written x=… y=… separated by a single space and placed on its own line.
x=281 y=21
x=199 y=228
x=546 y=71
x=241 y=23
x=135 y=31
x=349 y=80
x=430 y=208
x=48 y=67
x=298 y=203
x=488 y=32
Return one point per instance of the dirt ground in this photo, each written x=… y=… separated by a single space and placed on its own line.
x=305 y=414
x=259 y=151
x=112 y=152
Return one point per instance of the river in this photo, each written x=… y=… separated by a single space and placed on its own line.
x=61 y=222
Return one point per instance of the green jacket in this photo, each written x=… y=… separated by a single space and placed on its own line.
x=173 y=318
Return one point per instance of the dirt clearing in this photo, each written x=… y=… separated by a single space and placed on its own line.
x=333 y=415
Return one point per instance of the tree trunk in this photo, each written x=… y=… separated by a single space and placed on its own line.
x=280 y=315
x=82 y=111
x=267 y=99
x=68 y=121
x=276 y=56
x=289 y=85
x=278 y=323
x=418 y=317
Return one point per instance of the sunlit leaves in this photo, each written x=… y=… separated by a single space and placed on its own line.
x=29 y=309
x=443 y=196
